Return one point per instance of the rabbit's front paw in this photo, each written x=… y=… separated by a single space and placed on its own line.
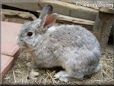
x=98 y=68
x=33 y=74
x=62 y=76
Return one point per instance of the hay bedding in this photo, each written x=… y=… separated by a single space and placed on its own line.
x=19 y=73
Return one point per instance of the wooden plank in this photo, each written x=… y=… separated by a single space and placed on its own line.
x=68 y=1
x=68 y=5
x=61 y=18
x=102 y=27
x=107 y=10
x=72 y=20
x=59 y=7
x=73 y=9
x=75 y=20
x=18 y=13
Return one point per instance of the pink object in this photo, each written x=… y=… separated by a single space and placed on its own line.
x=9 y=47
x=9 y=32
x=6 y=63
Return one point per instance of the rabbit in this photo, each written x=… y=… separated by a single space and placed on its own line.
x=72 y=47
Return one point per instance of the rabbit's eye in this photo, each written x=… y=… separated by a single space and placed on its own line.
x=29 y=34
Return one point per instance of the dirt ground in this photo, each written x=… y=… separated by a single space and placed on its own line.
x=20 y=71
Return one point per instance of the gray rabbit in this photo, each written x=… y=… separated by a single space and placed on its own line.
x=72 y=47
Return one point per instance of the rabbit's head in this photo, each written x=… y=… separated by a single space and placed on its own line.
x=31 y=31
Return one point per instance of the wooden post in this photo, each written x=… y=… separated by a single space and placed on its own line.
x=102 y=25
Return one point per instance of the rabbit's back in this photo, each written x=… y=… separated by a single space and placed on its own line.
x=74 y=36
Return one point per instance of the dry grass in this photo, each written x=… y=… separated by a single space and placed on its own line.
x=19 y=73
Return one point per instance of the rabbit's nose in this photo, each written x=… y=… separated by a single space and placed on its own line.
x=19 y=40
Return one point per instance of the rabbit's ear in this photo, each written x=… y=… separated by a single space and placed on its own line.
x=45 y=11
x=50 y=20
x=47 y=17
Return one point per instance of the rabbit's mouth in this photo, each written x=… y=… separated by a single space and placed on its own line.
x=25 y=46
x=22 y=45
